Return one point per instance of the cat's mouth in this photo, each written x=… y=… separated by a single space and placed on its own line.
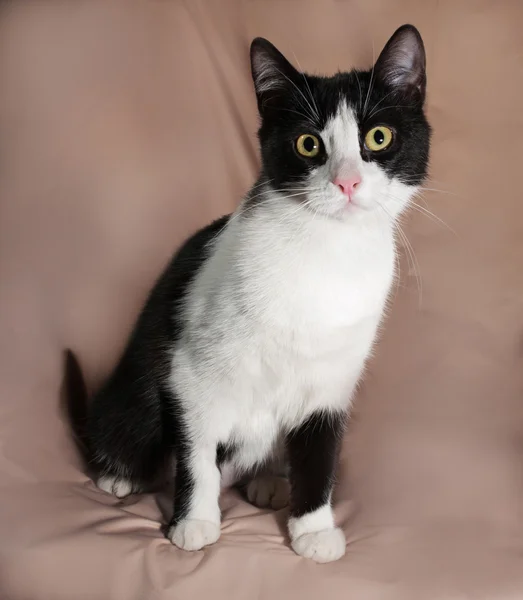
x=328 y=202
x=352 y=205
x=336 y=209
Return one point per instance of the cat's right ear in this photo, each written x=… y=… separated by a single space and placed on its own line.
x=272 y=73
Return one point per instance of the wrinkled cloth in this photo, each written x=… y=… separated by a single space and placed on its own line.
x=124 y=126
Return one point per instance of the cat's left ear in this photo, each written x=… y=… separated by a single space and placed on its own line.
x=401 y=64
x=272 y=73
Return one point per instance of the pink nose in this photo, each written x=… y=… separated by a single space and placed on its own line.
x=348 y=186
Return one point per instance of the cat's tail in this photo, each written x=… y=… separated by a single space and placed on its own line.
x=75 y=402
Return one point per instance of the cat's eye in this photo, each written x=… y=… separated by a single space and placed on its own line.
x=378 y=138
x=308 y=145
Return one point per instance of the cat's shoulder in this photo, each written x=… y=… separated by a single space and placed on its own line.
x=190 y=257
x=201 y=238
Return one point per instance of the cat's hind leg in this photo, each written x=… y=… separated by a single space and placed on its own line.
x=116 y=485
x=268 y=486
x=268 y=490
x=126 y=437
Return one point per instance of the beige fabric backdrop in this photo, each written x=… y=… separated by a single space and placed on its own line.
x=126 y=125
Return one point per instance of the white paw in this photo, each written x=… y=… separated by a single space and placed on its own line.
x=269 y=490
x=321 y=546
x=194 y=535
x=118 y=486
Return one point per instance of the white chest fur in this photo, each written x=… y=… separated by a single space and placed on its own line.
x=279 y=324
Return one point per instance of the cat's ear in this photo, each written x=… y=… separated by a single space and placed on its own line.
x=272 y=73
x=401 y=64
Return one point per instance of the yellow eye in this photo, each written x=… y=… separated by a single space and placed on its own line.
x=308 y=145
x=378 y=138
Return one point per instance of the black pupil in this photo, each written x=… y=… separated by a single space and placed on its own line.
x=309 y=144
x=379 y=137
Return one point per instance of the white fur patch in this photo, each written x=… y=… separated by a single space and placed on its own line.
x=117 y=486
x=321 y=546
x=206 y=485
x=194 y=535
x=280 y=320
x=314 y=535
x=318 y=520
x=279 y=324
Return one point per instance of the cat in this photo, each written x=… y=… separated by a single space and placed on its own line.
x=245 y=359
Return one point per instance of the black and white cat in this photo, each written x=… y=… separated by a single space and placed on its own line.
x=245 y=359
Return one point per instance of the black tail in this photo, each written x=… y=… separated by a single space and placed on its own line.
x=75 y=402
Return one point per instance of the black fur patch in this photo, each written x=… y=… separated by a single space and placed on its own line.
x=135 y=422
x=224 y=452
x=312 y=451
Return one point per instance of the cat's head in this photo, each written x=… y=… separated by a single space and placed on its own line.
x=349 y=145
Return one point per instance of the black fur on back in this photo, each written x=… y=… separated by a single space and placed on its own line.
x=130 y=419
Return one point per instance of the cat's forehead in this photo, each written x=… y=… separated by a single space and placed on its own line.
x=341 y=91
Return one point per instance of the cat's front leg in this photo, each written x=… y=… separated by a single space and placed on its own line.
x=196 y=518
x=313 y=452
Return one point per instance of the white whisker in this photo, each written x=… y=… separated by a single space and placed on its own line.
x=373 y=111
x=426 y=189
x=313 y=115
x=371 y=80
x=390 y=107
x=411 y=255
x=308 y=87
x=432 y=216
x=297 y=112
x=424 y=211
x=360 y=99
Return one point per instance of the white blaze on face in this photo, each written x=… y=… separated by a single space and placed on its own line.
x=376 y=190
x=341 y=139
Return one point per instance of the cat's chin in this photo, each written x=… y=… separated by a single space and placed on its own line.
x=336 y=211
x=352 y=211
